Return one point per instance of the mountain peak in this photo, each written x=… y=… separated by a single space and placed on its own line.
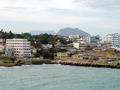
x=71 y=31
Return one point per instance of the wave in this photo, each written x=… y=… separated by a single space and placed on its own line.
x=1 y=67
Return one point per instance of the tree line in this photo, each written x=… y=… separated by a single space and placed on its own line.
x=36 y=40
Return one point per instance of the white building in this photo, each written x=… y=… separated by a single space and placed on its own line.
x=76 y=45
x=107 y=39
x=20 y=47
x=84 y=46
x=86 y=39
x=76 y=36
x=2 y=45
x=80 y=39
x=115 y=40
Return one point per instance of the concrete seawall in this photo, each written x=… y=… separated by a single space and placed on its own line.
x=87 y=64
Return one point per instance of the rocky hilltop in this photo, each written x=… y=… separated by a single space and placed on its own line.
x=71 y=31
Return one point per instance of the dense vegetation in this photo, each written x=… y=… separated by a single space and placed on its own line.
x=7 y=59
x=37 y=41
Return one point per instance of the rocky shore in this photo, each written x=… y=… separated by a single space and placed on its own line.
x=86 y=64
x=10 y=64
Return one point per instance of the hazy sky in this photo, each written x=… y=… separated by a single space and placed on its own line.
x=92 y=16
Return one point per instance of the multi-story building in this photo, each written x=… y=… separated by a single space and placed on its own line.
x=115 y=41
x=84 y=46
x=107 y=39
x=19 y=47
x=86 y=39
x=112 y=40
x=76 y=36
x=80 y=39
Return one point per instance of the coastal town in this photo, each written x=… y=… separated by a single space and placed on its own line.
x=59 y=44
x=74 y=49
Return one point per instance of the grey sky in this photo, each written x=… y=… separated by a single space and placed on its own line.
x=93 y=16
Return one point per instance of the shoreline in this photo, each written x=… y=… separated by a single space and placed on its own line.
x=87 y=64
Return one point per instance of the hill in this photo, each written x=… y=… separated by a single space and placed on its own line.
x=72 y=31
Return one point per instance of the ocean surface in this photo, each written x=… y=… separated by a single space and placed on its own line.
x=58 y=77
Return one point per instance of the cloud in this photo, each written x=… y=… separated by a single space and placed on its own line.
x=83 y=13
x=105 y=5
x=38 y=11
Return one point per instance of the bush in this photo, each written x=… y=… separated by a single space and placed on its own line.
x=7 y=59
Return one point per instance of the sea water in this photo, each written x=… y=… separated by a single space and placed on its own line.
x=58 y=77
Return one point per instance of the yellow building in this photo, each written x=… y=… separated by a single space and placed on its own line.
x=62 y=54
x=2 y=45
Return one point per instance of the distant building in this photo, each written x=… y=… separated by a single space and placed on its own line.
x=80 y=39
x=47 y=46
x=18 y=47
x=2 y=45
x=94 y=39
x=76 y=36
x=62 y=54
x=107 y=39
x=84 y=46
x=76 y=45
x=86 y=39
x=115 y=41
